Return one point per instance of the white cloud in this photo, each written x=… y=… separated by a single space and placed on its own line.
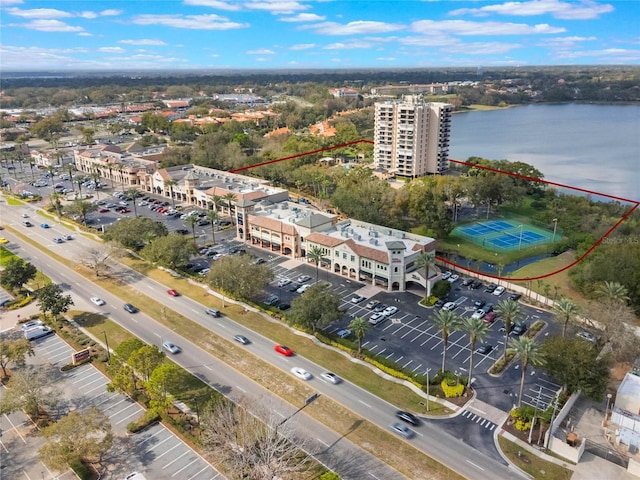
x=88 y=14
x=261 y=51
x=49 y=26
x=143 y=41
x=191 y=22
x=349 y=46
x=112 y=49
x=353 y=28
x=582 y=10
x=303 y=17
x=302 y=46
x=262 y=59
x=482 y=48
x=277 y=7
x=46 y=13
x=4 y=3
x=429 y=41
x=464 y=27
x=213 y=4
x=37 y=57
x=564 y=42
x=386 y=59
x=111 y=12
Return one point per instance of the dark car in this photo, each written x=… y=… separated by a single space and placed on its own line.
x=479 y=303
x=488 y=307
x=294 y=286
x=182 y=231
x=519 y=328
x=490 y=288
x=130 y=308
x=476 y=284
x=485 y=349
x=242 y=339
x=439 y=304
x=284 y=306
x=408 y=417
x=467 y=281
x=515 y=297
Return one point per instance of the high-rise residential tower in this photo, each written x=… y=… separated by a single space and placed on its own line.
x=411 y=137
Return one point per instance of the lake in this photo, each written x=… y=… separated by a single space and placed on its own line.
x=595 y=147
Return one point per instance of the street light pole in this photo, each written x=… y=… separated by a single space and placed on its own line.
x=307 y=402
x=606 y=410
x=555 y=226
x=553 y=417
x=106 y=341
x=535 y=412
x=427 y=390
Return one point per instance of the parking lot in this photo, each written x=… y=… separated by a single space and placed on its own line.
x=156 y=452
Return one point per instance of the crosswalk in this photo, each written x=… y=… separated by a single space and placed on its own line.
x=481 y=421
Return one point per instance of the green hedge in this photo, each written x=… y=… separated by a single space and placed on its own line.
x=81 y=470
x=452 y=390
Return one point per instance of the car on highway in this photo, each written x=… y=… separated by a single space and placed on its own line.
x=45 y=225
x=130 y=308
x=98 y=301
x=283 y=282
x=3 y=240
x=402 y=430
x=173 y=293
x=24 y=215
x=331 y=377
x=301 y=373
x=390 y=311
x=408 y=417
x=283 y=350
x=57 y=240
x=212 y=312
x=171 y=347
x=484 y=349
x=499 y=291
x=372 y=304
x=241 y=339
x=27 y=224
x=357 y=299
x=303 y=278
x=67 y=237
x=478 y=313
x=344 y=333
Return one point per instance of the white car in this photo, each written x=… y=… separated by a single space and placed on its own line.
x=303 y=278
x=171 y=347
x=303 y=288
x=284 y=282
x=331 y=377
x=203 y=272
x=449 y=306
x=453 y=278
x=98 y=301
x=301 y=373
x=498 y=291
x=478 y=314
x=376 y=318
x=446 y=274
x=32 y=324
x=390 y=311
x=357 y=299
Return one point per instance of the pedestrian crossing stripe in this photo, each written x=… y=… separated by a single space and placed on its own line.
x=488 y=424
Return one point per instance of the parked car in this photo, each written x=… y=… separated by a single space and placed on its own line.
x=475 y=284
x=484 y=349
x=490 y=288
x=331 y=377
x=284 y=306
x=478 y=313
x=453 y=278
x=130 y=308
x=372 y=304
x=294 y=287
x=479 y=303
x=376 y=318
x=519 y=328
x=32 y=324
x=466 y=282
x=449 y=306
x=584 y=335
x=303 y=278
x=301 y=373
x=171 y=347
x=303 y=288
x=446 y=274
x=439 y=303
x=408 y=417
x=283 y=282
x=283 y=350
x=379 y=308
x=499 y=291
x=402 y=430
x=344 y=333
x=390 y=311
x=515 y=296
x=357 y=299
x=272 y=300
x=489 y=317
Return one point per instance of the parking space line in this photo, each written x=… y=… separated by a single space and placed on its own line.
x=123 y=410
x=161 y=442
x=5 y=448
x=101 y=386
x=151 y=436
x=137 y=412
x=116 y=404
x=198 y=473
x=176 y=459
x=106 y=399
x=14 y=427
x=167 y=451
x=186 y=466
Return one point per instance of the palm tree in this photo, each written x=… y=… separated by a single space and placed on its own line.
x=212 y=216
x=510 y=312
x=229 y=197
x=314 y=254
x=31 y=164
x=359 y=326
x=477 y=330
x=447 y=322
x=529 y=353
x=95 y=176
x=565 y=311
x=192 y=220
x=426 y=260
x=51 y=170
x=170 y=184
x=215 y=201
x=613 y=291
x=132 y=194
x=55 y=197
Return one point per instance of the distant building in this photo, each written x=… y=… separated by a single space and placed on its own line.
x=411 y=137
x=344 y=93
x=625 y=413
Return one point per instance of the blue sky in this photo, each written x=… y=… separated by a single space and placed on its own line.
x=320 y=34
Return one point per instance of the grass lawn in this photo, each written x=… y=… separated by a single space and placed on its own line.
x=532 y=464
x=13 y=201
x=99 y=325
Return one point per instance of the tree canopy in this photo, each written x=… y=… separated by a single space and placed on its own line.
x=172 y=251
x=135 y=232
x=238 y=276
x=316 y=308
x=16 y=273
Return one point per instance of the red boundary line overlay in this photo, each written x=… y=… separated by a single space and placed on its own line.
x=634 y=204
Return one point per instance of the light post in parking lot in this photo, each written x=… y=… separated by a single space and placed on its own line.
x=535 y=412
x=427 y=389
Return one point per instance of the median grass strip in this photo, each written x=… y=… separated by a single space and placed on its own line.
x=531 y=463
x=397 y=453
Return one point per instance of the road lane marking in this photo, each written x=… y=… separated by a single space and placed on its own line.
x=477 y=410
x=365 y=404
x=241 y=389
x=322 y=442
x=477 y=466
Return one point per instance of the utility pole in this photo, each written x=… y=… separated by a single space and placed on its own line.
x=307 y=402
x=106 y=341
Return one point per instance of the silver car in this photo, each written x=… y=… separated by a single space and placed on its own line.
x=402 y=430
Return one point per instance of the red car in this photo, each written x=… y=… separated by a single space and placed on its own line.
x=286 y=351
x=489 y=317
x=173 y=293
x=103 y=210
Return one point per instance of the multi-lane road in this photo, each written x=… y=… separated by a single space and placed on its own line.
x=327 y=445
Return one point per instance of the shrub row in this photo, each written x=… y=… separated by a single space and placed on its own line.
x=149 y=417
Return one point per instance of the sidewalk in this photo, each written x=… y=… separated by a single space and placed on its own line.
x=10 y=318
